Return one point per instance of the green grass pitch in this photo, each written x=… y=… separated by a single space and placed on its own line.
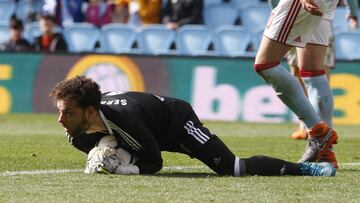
x=36 y=144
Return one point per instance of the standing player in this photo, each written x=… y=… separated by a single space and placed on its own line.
x=146 y=124
x=329 y=63
x=304 y=24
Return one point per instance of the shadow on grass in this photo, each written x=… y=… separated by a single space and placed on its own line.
x=186 y=175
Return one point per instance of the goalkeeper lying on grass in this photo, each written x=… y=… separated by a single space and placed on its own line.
x=144 y=125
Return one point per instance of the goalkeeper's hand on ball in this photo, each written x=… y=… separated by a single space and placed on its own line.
x=110 y=160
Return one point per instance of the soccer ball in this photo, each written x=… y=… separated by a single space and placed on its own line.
x=106 y=157
x=107 y=141
x=124 y=156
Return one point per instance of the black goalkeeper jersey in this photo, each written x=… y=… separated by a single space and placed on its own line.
x=143 y=124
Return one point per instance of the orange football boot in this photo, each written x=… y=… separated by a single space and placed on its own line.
x=328 y=155
x=299 y=134
x=321 y=138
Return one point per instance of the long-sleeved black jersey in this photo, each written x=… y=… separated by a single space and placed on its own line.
x=143 y=124
x=146 y=124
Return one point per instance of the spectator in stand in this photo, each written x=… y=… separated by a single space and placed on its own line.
x=68 y=12
x=137 y=12
x=97 y=12
x=176 y=13
x=49 y=41
x=16 y=42
x=120 y=12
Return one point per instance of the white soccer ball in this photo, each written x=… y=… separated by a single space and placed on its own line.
x=107 y=141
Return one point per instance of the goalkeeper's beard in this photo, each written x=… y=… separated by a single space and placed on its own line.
x=81 y=128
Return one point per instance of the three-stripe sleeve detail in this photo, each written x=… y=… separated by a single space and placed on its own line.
x=196 y=132
x=127 y=138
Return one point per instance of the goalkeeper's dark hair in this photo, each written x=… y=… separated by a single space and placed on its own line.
x=81 y=89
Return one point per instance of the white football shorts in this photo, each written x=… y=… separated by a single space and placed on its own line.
x=291 y=24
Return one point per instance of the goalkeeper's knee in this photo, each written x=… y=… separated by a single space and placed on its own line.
x=216 y=155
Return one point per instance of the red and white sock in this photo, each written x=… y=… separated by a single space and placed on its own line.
x=319 y=93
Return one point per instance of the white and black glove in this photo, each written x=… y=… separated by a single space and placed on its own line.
x=111 y=160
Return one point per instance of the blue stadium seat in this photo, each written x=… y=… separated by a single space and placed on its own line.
x=242 y=4
x=156 y=39
x=117 y=38
x=32 y=30
x=220 y=14
x=193 y=40
x=81 y=37
x=23 y=9
x=255 y=16
x=4 y=31
x=347 y=45
x=7 y=8
x=231 y=40
x=211 y=2
x=257 y=35
x=339 y=21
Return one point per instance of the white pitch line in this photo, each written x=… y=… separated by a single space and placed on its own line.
x=349 y=164
x=37 y=172
x=55 y=171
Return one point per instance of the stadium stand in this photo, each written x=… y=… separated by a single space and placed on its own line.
x=340 y=21
x=32 y=30
x=117 y=38
x=81 y=37
x=4 y=31
x=347 y=45
x=211 y=2
x=232 y=40
x=156 y=39
x=255 y=16
x=188 y=39
x=214 y=15
x=194 y=40
x=6 y=10
x=257 y=35
x=23 y=9
x=242 y=4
